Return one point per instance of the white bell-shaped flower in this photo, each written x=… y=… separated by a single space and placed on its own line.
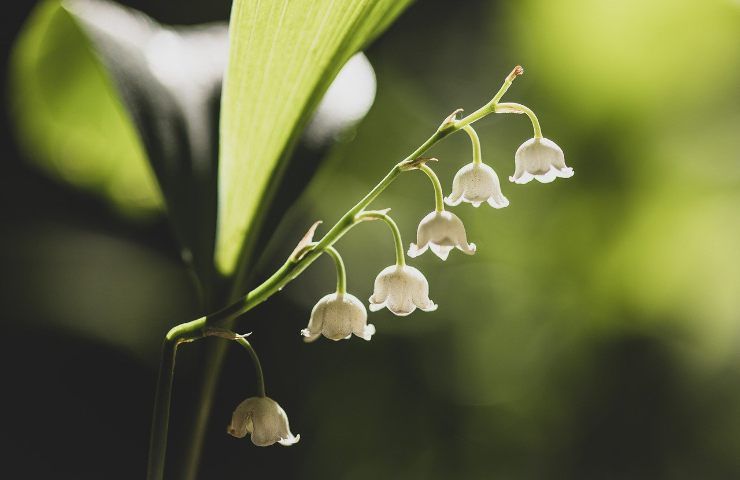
x=264 y=420
x=402 y=289
x=441 y=231
x=476 y=183
x=541 y=159
x=337 y=316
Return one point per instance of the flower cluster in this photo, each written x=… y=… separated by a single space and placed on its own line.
x=402 y=288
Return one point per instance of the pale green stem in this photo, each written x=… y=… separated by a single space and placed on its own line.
x=341 y=271
x=518 y=70
x=439 y=204
x=285 y=274
x=488 y=108
x=376 y=215
x=257 y=365
x=519 y=108
x=241 y=340
x=477 y=157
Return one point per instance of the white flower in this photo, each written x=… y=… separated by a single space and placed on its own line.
x=402 y=289
x=441 y=231
x=264 y=419
x=541 y=159
x=476 y=183
x=338 y=316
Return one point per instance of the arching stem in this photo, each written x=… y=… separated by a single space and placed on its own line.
x=477 y=157
x=519 y=108
x=439 y=204
x=257 y=365
x=341 y=271
x=397 y=241
x=186 y=332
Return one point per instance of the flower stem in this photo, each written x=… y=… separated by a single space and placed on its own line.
x=241 y=340
x=161 y=417
x=285 y=274
x=439 y=204
x=341 y=271
x=257 y=365
x=489 y=107
x=477 y=157
x=162 y=398
x=378 y=215
x=518 y=70
x=519 y=108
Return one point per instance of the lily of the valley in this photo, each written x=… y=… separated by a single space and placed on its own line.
x=476 y=183
x=441 y=232
x=402 y=289
x=264 y=420
x=337 y=316
x=540 y=159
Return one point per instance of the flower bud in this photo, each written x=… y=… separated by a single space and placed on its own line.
x=402 y=289
x=337 y=316
x=441 y=231
x=476 y=183
x=264 y=420
x=541 y=159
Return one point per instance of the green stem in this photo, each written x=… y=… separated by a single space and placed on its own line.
x=294 y=267
x=477 y=157
x=162 y=398
x=341 y=271
x=377 y=215
x=215 y=356
x=257 y=365
x=161 y=417
x=519 y=108
x=241 y=340
x=439 y=204
x=286 y=273
x=518 y=70
x=489 y=107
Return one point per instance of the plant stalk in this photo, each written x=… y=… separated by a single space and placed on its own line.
x=439 y=204
x=284 y=275
x=162 y=398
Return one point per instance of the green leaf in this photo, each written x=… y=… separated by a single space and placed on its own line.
x=283 y=56
x=100 y=89
x=69 y=118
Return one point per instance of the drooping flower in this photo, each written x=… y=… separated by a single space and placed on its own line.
x=402 y=289
x=264 y=420
x=337 y=316
x=541 y=159
x=476 y=183
x=441 y=231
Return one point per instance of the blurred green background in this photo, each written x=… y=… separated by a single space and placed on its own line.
x=595 y=334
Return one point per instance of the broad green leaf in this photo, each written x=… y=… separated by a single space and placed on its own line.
x=283 y=56
x=104 y=95
x=69 y=117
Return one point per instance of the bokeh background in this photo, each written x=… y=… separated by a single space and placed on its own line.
x=595 y=334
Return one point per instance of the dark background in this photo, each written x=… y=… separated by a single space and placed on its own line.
x=594 y=335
